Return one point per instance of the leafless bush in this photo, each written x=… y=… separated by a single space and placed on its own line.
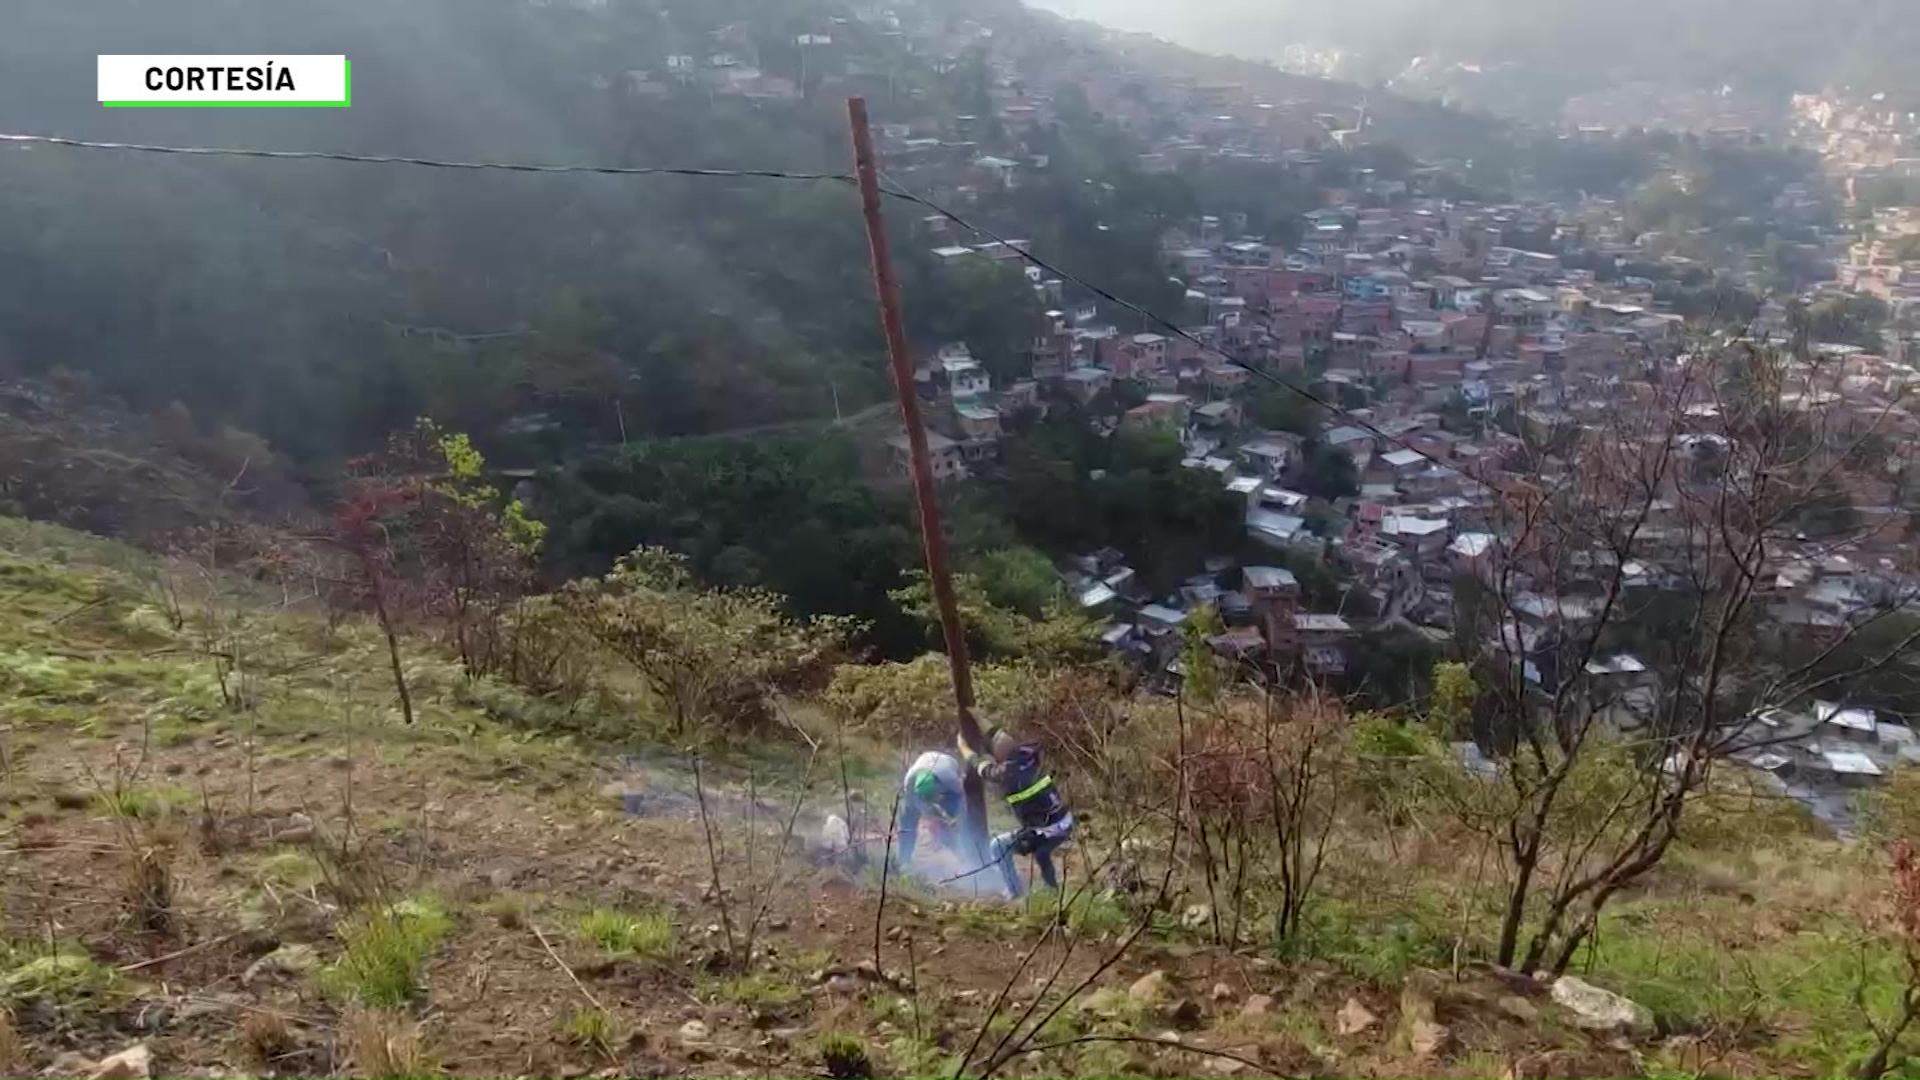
x=764 y=873
x=1653 y=518
x=1904 y=899
x=1265 y=776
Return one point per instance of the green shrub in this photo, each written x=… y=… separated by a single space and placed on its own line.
x=1812 y=986
x=55 y=679
x=759 y=990
x=144 y=804
x=591 y=1029
x=918 y=1057
x=1372 y=945
x=60 y=975
x=386 y=953
x=293 y=868
x=844 y=1057
x=618 y=933
x=1112 y=1006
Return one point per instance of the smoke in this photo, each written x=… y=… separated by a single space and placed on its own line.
x=951 y=875
x=661 y=788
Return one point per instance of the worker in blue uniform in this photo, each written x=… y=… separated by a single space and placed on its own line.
x=1039 y=810
x=934 y=790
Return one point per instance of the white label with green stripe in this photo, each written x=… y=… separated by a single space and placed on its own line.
x=287 y=81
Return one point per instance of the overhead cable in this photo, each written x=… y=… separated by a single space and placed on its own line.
x=893 y=190
x=429 y=163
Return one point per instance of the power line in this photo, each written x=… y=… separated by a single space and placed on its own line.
x=429 y=163
x=894 y=190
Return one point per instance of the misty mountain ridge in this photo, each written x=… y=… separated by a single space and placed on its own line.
x=1531 y=59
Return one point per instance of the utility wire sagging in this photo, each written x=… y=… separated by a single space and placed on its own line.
x=892 y=190
x=420 y=162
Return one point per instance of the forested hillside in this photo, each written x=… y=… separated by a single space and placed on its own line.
x=322 y=303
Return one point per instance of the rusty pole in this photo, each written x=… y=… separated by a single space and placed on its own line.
x=932 y=536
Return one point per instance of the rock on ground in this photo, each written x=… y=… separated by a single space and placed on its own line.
x=1354 y=1018
x=834 y=834
x=1428 y=1038
x=1150 y=988
x=133 y=1063
x=296 y=959
x=1568 y=1064
x=1123 y=878
x=1420 y=996
x=1596 y=1009
x=1519 y=1008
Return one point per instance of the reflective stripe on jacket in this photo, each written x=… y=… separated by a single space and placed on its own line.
x=1030 y=792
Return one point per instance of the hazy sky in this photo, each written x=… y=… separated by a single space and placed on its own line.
x=1120 y=14
x=1254 y=28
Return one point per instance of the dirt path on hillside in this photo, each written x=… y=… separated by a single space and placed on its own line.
x=471 y=826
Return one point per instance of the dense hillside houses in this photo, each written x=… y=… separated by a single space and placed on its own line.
x=1441 y=354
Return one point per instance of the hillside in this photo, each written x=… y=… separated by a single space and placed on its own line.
x=317 y=303
x=294 y=882
x=320 y=304
x=1479 y=54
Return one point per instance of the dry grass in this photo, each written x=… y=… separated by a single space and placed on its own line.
x=386 y=1045
x=262 y=1038
x=1738 y=904
x=592 y=1029
x=13 y=1050
x=148 y=888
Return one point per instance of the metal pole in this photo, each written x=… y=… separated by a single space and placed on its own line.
x=932 y=536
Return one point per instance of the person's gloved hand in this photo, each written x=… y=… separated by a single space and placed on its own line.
x=1025 y=842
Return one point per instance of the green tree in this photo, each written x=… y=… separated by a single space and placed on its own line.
x=1392 y=668
x=786 y=513
x=427 y=534
x=1069 y=491
x=1204 y=677
x=1325 y=472
x=991 y=307
x=1853 y=319
x=1454 y=691
x=1828 y=510
x=1058 y=633
x=915 y=698
x=706 y=655
x=1019 y=579
x=1277 y=409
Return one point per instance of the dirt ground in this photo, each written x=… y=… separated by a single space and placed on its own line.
x=514 y=867
x=185 y=856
